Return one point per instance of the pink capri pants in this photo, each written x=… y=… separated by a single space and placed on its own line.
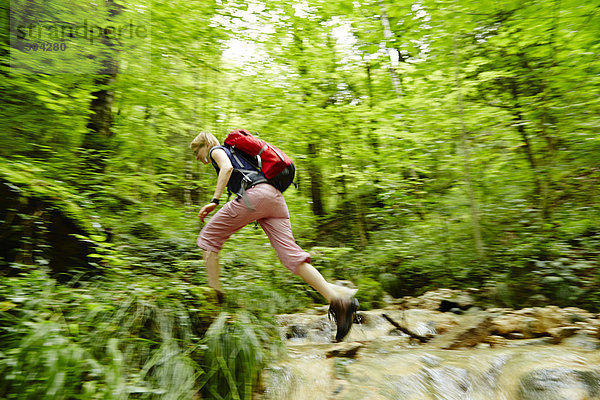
x=271 y=212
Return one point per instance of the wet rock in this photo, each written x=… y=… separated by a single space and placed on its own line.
x=388 y=300
x=530 y=322
x=575 y=314
x=562 y=332
x=533 y=322
x=473 y=329
x=410 y=387
x=449 y=382
x=321 y=330
x=584 y=340
x=546 y=318
x=430 y=360
x=515 y=336
x=499 y=310
x=424 y=328
x=421 y=325
x=318 y=310
x=397 y=332
x=296 y=331
x=496 y=340
x=506 y=324
x=543 y=353
x=306 y=327
x=559 y=384
x=402 y=330
x=347 y=350
x=595 y=325
x=370 y=319
x=541 y=341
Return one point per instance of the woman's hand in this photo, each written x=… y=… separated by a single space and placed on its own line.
x=207 y=209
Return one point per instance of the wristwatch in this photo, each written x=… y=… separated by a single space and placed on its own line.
x=215 y=200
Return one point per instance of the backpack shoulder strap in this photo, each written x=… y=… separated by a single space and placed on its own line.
x=212 y=160
x=216 y=166
x=214 y=148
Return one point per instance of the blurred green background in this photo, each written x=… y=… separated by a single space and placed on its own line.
x=437 y=144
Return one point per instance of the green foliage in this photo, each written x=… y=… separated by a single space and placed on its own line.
x=29 y=181
x=105 y=339
x=332 y=262
x=370 y=293
x=436 y=145
x=132 y=336
x=561 y=281
x=235 y=356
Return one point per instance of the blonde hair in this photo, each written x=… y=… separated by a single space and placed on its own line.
x=204 y=139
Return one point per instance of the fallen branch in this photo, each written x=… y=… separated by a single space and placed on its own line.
x=402 y=329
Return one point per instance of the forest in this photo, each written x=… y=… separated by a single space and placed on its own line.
x=437 y=144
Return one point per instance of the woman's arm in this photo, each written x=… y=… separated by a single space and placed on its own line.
x=225 y=170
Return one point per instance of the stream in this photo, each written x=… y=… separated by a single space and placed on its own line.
x=464 y=357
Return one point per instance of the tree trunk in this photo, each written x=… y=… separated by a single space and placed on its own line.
x=100 y=121
x=387 y=34
x=99 y=126
x=539 y=198
x=316 y=182
x=464 y=145
x=373 y=139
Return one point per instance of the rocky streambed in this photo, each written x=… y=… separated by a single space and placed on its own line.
x=439 y=346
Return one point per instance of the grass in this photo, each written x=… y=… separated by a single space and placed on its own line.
x=128 y=337
x=235 y=355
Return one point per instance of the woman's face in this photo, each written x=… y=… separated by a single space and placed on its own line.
x=202 y=154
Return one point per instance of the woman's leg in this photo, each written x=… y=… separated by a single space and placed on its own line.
x=229 y=219
x=211 y=262
x=342 y=308
x=316 y=281
x=276 y=224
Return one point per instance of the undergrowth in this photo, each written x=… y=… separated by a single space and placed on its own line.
x=125 y=337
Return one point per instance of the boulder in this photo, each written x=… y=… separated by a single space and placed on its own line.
x=496 y=341
x=296 y=331
x=562 y=332
x=545 y=319
x=530 y=322
x=559 y=384
x=584 y=340
x=472 y=330
x=575 y=314
x=506 y=324
x=306 y=328
x=540 y=341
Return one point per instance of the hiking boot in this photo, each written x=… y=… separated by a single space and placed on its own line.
x=343 y=314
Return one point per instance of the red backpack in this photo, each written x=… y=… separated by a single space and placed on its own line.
x=276 y=166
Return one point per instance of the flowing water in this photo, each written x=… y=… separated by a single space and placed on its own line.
x=377 y=362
